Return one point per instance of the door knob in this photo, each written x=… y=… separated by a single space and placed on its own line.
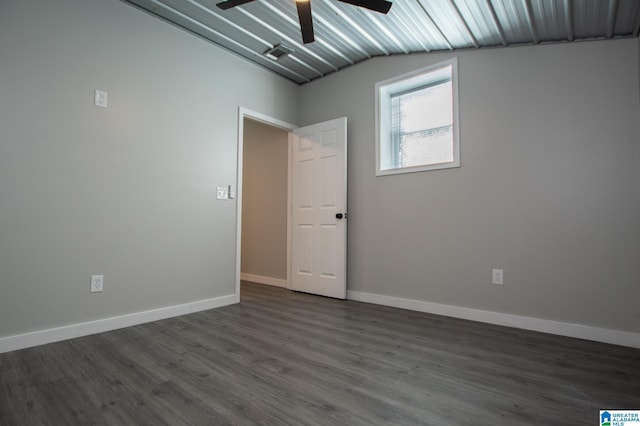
x=340 y=215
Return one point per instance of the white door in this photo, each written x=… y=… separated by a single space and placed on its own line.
x=319 y=207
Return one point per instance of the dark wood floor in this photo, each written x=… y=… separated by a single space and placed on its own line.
x=288 y=358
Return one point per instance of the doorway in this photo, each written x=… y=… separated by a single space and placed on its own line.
x=264 y=202
x=315 y=208
x=263 y=199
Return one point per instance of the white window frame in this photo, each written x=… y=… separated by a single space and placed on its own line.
x=412 y=81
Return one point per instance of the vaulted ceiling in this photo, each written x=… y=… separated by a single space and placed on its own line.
x=346 y=34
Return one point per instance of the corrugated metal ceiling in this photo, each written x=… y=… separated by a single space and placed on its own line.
x=347 y=34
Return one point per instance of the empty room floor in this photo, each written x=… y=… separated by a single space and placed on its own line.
x=286 y=358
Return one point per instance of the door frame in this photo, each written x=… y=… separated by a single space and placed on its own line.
x=244 y=113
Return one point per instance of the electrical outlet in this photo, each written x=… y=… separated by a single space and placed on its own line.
x=498 y=277
x=97 y=283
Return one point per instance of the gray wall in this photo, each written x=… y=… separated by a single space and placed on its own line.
x=549 y=187
x=264 y=200
x=129 y=191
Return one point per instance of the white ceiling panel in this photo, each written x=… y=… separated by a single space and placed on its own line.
x=347 y=34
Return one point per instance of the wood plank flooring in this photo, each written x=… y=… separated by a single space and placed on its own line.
x=285 y=358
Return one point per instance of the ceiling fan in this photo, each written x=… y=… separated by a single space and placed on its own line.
x=304 y=11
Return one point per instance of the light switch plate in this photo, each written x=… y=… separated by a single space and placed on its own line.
x=222 y=193
x=101 y=98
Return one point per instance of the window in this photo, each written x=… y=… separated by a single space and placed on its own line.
x=417 y=121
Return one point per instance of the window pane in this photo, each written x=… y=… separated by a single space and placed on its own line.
x=421 y=126
x=417 y=121
x=426 y=108
x=428 y=147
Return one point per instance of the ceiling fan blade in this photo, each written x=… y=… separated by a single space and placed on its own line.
x=306 y=23
x=381 y=6
x=231 y=3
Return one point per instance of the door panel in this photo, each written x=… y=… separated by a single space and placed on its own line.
x=319 y=188
x=304 y=185
x=305 y=264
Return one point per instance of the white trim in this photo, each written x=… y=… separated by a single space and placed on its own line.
x=260 y=279
x=289 y=205
x=42 y=337
x=242 y=114
x=616 y=337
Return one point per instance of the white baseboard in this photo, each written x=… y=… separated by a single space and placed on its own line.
x=263 y=280
x=41 y=337
x=616 y=337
